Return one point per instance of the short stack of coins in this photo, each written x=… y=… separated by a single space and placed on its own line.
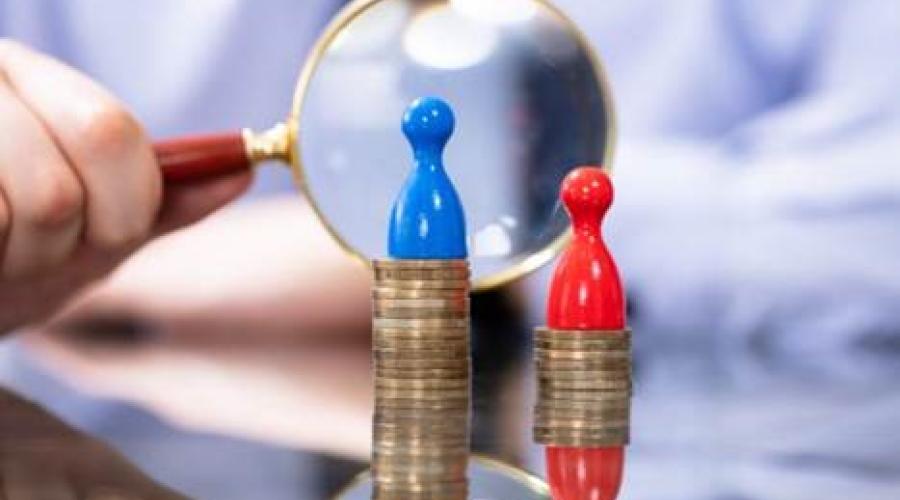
x=422 y=379
x=584 y=387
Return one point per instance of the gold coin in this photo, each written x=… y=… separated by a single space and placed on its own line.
x=398 y=462
x=416 y=364
x=381 y=293
x=459 y=414
x=459 y=372
x=584 y=433
x=424 y=491
x=412 y=486
x=609 y=374
x=385 y=393
x=461 y=338
x=414 y=418
x=581 y=355
x=455 y=284
x=542 y=364
x=409 y=353
x=608 y=383
x=455 y=426
x=403 y=447
x=448 y=304
x=425 y=472
x=550 y=393
x=451 y=405
x=381 y=494
x=383 y=342
x=409 y=461
x=623 y=403
x=421 y=358
x=420 y=264
x=580 y=426
x=418 y=473
x=421 y=384
x=572 y=426
x=387 y=441
x=588 y=385
x=544 y=332
x=421 y=333
x=416 y=344
x=419 y=324
x=395 y=480
x=389 y=366
x=393 y=453
x=421 y=313
x=579 y=429
x=451 y=303
x=412 y=489
x=397 y=436
x=601 y=413
x=420 y=350
x=451 y=336
x=437 y=494
x=396 y=266
x=401 y=482
x=392 y=345
x=411 y=448
x=587 y=345
x=582 y=345
x=608 y=439
x=430 y=393
x=421 y=274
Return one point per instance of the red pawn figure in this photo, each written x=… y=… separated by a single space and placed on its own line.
x=586 y=294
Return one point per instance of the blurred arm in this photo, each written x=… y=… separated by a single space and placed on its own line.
x=757 y=187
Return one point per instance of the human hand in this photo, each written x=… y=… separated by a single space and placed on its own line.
x=80 y=188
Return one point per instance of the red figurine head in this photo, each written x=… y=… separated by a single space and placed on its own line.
x=586 y=292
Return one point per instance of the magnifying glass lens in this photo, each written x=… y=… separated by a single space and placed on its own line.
x=529 y=104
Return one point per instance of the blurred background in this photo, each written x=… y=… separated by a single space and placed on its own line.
x=755 y=226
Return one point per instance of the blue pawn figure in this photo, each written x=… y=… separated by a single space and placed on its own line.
x=427 y=220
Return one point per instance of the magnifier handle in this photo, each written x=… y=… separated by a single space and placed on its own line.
x=199 y=157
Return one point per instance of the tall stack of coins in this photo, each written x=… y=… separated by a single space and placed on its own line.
x=584 y=387
x=422 y=379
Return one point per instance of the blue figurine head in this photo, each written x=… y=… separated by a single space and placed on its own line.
x=428 y=124
x=427 y=220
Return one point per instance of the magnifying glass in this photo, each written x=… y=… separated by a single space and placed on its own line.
x=530 y=98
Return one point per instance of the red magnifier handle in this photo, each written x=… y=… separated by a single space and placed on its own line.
x=200 y=157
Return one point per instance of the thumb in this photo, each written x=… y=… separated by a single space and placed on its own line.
x=187 y=202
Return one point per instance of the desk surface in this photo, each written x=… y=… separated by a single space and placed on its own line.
x=229 y=419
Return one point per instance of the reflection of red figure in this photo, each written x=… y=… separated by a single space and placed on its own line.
x=586 y=294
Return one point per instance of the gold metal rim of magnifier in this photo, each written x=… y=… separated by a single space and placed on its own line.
x=280 y=142
x=520 y=476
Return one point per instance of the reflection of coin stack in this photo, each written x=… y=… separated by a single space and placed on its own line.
x=584 y=384
x=422 y=379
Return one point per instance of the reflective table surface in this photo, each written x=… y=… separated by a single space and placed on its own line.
x=255 y=409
